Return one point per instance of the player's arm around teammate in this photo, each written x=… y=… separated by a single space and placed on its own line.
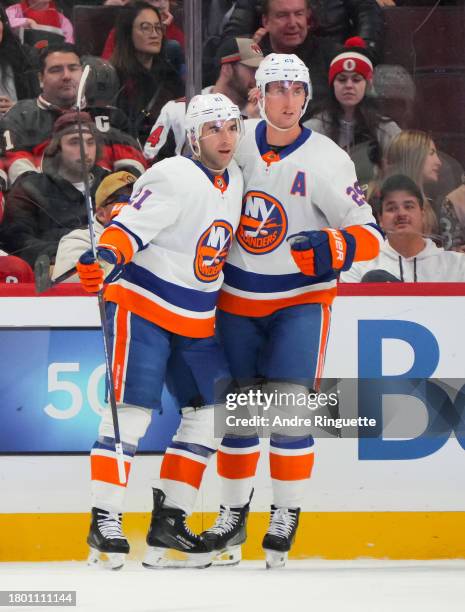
x=304 y=219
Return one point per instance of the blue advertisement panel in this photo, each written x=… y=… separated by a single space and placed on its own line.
x=52 y=385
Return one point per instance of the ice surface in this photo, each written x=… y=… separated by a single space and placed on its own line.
x=316 y=586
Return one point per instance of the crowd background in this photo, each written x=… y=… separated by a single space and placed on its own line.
x=388 y=81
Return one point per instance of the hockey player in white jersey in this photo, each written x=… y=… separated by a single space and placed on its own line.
x=238 y=59
x=163 y=257
x=304 y=219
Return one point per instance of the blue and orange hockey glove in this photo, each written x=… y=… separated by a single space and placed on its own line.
x=318 y=252
x=108 y=268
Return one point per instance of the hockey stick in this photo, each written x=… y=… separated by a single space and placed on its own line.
x=259 y=228
x=42 y=278
x=101 y=301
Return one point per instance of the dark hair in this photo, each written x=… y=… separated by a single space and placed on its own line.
x=367 y=120
x=124 y=55
x=266 y=6
x=399 y=182
x=52 y=153
x=55 y=48
x=11 y=50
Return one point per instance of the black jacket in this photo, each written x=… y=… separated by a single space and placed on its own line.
x=41 y=208
x=26 y=73
x=143 y=95
x=335 y=19
x=27 y=129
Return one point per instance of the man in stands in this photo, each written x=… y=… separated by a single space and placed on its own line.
x=28 y=126
x=406 y=256
x=112 y=194
x=336 y=20
x=41 y=207
x=237 y=60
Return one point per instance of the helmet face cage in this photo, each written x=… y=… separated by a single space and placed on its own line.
x=206 y=109
x=282 y=67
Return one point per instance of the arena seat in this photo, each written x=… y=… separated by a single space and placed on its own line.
x=92 y=24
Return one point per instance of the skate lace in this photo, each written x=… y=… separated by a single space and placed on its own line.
x=226 y=521
x=282 y=523
x=189 y=532
x=110 y=526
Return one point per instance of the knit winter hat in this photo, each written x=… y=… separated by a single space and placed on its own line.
x=67 y=123
x=352 y=60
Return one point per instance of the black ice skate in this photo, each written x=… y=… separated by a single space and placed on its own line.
x=280 y=535
x=108 y=546
x=228 y=533
x=171 y=542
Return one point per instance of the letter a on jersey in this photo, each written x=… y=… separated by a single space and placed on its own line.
x=212 y=248
x=263 y=224
x=298 y=186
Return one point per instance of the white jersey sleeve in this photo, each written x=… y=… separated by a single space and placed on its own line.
x=171 y=118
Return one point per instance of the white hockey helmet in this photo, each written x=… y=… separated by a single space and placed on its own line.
x=282 y=67
x=205 y=108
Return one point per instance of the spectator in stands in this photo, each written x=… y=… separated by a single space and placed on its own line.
x=237 y=62
x=28 y=125
x=172 y=31
x=112 y=193
x=350 y=117
x=42 y=207
x=14 y=270
x=18 y=68
x=286 y=23
x=414 y=154
x=395 y=91
x=174 y=36
x=148 y=79
x=336 y=20
x=406 y=256
x=40 y=15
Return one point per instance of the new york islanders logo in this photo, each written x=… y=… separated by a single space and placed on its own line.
x=212 y=248
x=263 y=223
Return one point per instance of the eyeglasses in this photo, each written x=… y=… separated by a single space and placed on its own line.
x=147 y=28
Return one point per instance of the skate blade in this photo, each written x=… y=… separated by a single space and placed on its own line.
x=108 y=561
x=228 y=556
x=161 y=558
x=275 y=559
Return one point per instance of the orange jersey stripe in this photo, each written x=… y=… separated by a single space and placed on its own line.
x=182 y=469
x=325 y=323
x=117 y=238
x=293 y=467
x=237 y=466
x=367 y=245
x=120 y=351
x=145 y=308
x=261 y=308
x=105 y=469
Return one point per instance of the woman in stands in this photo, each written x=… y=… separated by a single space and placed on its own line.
x=148 y=79
x=18 y=68
x=414 y=153
x=349 y=116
